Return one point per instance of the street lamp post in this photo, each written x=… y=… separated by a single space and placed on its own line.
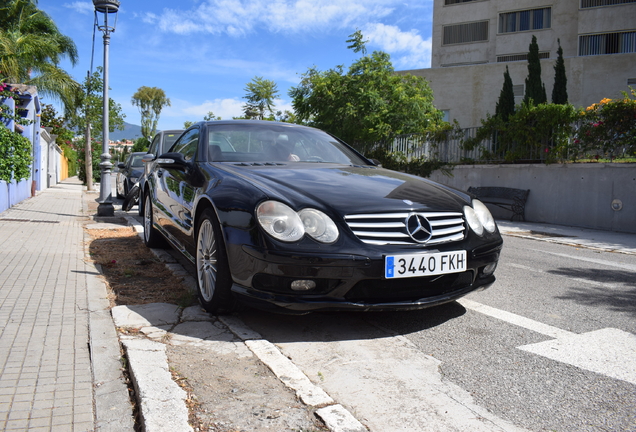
x=105 y=207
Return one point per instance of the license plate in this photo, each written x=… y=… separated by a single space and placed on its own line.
x=424 y=264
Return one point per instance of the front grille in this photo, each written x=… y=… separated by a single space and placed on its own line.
x=409 y=289
x=391 y=228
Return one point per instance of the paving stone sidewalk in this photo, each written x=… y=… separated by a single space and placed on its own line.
x=59 y=355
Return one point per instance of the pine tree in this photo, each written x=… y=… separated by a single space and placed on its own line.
x=506 y=104
x=535 y=89
x=560 y=91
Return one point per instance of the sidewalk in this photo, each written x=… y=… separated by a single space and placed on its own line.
x=607 y=241
x=59 y=354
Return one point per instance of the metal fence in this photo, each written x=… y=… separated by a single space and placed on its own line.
x=451 y=150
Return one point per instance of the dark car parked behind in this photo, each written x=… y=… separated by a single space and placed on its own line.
x=129 y=173
x=289 y=217
x=160 y=144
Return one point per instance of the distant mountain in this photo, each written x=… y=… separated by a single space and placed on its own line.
x=131 y=132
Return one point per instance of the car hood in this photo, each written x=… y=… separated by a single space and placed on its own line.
x=349 y=189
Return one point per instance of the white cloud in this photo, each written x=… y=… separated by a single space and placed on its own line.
x=408 y=50
x=240 y=17
x=282 y=105
x=224 y=108
x=83 y=7
x=182 y=110
x=149 y=17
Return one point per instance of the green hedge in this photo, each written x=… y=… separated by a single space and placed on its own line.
x=15 y=156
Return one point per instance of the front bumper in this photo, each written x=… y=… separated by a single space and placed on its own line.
x=353 y=282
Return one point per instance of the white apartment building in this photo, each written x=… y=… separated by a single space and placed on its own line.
x=474 y=41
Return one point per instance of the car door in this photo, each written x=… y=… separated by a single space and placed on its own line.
x=174 y=192
x=154 y=150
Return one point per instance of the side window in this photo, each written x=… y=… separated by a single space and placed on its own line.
x=187 y=144
x=154 y=145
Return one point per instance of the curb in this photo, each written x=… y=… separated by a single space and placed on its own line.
x=335 y=416
x=162 y=403
x=113 y=410
x=155 y=388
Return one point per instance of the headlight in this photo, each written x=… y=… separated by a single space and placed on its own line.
x=283 y=223
x=473 y=220
x=318 y=225
x=280 y=221
x=484 y=216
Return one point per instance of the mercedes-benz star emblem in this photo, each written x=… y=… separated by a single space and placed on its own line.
x=418 y=227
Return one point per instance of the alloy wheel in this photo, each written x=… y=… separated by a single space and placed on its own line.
x=207 y=260
x=147 y=218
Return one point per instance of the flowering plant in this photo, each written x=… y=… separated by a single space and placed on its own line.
x=610 y=126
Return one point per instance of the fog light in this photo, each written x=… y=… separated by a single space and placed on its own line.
x=489 y=269
x=303 y=285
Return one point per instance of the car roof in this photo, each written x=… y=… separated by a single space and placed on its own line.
x=256 y=122
x=244 y=121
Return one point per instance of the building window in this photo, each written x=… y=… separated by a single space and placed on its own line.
x=600 y=3
x=607 y=43
x=452 y=2
x=446 y=115
x=465 y=33
x=531 y=19
x=519 y=90
x=631 y=81
x=520 y=57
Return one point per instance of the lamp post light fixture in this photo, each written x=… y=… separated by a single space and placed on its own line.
x=105 y=207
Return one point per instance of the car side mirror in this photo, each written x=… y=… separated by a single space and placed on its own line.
x=173 y=161
x=148 y=157
x=121 y=165
x=376 y=162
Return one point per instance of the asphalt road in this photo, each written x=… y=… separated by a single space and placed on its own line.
x=549 y=347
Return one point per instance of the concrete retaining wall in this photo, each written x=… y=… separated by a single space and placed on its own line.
x=579 y=195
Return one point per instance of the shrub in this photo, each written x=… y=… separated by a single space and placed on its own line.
x=609 y=126
x=533 y=132
x=15 y=156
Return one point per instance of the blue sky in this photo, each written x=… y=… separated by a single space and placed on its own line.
x=202 y=53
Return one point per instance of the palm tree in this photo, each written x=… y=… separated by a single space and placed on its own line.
x=260 y=98
x=31 y=47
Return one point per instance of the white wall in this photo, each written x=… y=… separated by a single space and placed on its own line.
x=469 y=92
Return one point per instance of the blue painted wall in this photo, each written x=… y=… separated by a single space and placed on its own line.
x=14 y=192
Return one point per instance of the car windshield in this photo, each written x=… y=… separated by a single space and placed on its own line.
x=137 y=161
x=242 y=142
x=168 y=140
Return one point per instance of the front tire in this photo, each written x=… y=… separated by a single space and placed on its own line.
x=213 y=273
x=131 y=199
